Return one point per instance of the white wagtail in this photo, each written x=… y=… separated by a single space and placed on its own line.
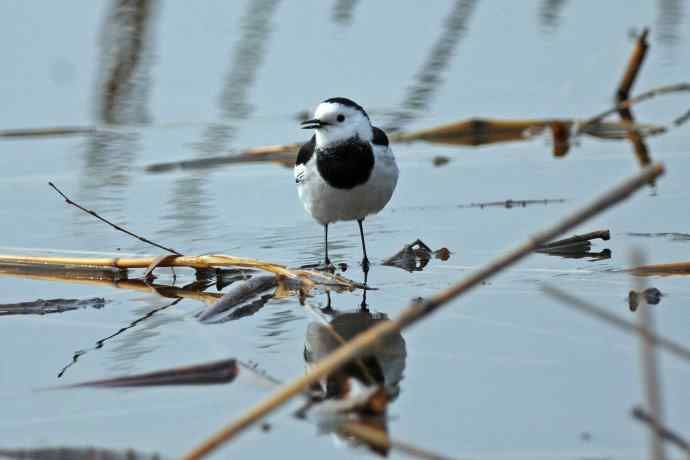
x=346 y=171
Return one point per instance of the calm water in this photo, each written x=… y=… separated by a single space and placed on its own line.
x=504 y=372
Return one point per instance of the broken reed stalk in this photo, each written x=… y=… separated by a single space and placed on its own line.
x=633 y=68
x=648 y=365
x=666 y=433
x=115 y=226
x=570 y=300
x=631 y=71
x=384 y=442
x=418 y=311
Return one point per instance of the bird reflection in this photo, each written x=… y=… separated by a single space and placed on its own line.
x=360 y=391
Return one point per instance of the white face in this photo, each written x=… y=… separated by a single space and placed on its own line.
x=343 y=122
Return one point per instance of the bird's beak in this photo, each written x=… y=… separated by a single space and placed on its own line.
x=314 y=123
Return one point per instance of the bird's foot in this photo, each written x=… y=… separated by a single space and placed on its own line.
x=327 y=266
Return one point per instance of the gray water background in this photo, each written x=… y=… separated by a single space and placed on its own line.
x=504 y=372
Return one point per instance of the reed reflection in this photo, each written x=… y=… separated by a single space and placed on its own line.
x=428 y=79
x=122 y=98
x=550 y=14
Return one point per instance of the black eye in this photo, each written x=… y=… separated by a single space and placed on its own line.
x=341 y=117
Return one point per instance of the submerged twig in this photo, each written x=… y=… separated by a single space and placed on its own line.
x=419 y=310
x=115 y=226
x=673 y=347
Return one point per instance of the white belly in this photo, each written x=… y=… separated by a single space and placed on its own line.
x=327 y=204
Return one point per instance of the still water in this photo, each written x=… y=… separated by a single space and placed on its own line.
x=504 y=372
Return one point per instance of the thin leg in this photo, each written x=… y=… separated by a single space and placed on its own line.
x=328 y=309
x=365 y=260
x=363 y=305
x=327 y=261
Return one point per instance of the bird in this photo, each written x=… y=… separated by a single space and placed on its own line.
x=347 y=170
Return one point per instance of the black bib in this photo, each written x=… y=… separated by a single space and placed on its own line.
x=347 y=164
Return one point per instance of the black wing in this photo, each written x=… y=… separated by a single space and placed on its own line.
x=306 y=151
x=380 y=137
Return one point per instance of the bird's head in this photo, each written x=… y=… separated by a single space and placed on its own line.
x=338 y=119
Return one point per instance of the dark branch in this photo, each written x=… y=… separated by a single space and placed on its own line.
x=116 y=227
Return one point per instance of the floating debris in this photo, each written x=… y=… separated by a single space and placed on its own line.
x=651 y=296
x=239 y=294
x=47 y=306
x=75 y=453
x=510 y=203
x=578 y=246
x=217 y=372
x=440 y=160
x=415 y=256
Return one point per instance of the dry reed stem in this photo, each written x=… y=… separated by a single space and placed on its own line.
x=675 y=348
x=674 y=268
x=308 y=277
x=284 y=154
x=418 y=311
